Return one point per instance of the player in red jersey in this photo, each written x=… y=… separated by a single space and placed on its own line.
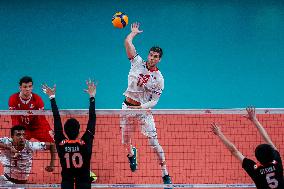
x=37 y=126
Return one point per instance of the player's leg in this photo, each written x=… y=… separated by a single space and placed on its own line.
x=43 y=134
x=148 y=128
x=83 y=182
x=127 y=129
x=4 y=180
x=67 y=182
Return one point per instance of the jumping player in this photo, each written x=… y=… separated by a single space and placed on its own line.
x=75 y=154
x=268 y=171
x=37 y=126
x=145 y=86
x=17 y=154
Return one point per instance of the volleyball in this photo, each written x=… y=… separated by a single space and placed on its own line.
x=119 y=20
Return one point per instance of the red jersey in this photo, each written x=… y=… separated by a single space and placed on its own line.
x=31 y=122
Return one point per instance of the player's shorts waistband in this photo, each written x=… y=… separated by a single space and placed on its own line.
x=129 y=104
x=16 y=181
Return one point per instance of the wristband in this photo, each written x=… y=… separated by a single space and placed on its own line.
x=51 y=96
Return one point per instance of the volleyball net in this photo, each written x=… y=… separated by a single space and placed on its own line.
x=194 y=155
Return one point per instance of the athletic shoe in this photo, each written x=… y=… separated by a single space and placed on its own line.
x=133 y=160
x=93 y=176
x=167 y=180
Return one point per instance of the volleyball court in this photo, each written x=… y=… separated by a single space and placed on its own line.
x=195 y=157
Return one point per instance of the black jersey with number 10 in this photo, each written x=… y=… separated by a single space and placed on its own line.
x=75 y=155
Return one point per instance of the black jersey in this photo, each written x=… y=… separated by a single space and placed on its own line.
x=75 y=155
x=266 y=176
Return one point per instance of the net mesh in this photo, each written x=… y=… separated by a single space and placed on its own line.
x=195 y=157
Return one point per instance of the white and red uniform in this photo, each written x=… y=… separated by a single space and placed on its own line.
x=36 y=125
x=19 y=167
x=144 y=86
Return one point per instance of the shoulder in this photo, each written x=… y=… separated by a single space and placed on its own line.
x=136 y=59
x=14 y=96
x=248 y=163
x=36 y=145
x=38 y=100
x=6 y=140
x=160 y=79
x=36 y=96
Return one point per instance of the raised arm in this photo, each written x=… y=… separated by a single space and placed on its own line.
x=130 y=49
x=251 y=115
x=228 y=144
x=58 y=129
x=91 y=90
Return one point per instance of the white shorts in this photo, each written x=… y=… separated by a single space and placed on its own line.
x=146 y=120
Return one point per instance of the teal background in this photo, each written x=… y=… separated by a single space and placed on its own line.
x=217 y=54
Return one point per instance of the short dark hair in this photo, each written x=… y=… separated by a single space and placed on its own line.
x=72 y=128
x=157 y=50
x=264 y=153
x=25 y=79
x=17 y=128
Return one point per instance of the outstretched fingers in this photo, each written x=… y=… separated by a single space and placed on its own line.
x=215 y=128
x=48 y=90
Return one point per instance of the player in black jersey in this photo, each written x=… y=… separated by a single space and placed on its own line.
x=268 y=171
x=75 y=154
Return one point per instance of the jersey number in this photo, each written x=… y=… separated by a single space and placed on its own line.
x=142 y=80
x=272 y=182
x=25 y=120
x=75 y=156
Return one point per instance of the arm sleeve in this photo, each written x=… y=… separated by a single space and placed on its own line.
x=91 y=126
x=278 y=157
x=40 y=104
x=37 y=146
x=136 y=60
x=248 y=166
x=58 y=129
x=156 y=93
x=41 y=118
x=5 y=142
x=12 y=106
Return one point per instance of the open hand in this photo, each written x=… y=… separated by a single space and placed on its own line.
x=215 y=129
x=250 y=113
x=92 y=88
x=135 y=28
x=47 y=90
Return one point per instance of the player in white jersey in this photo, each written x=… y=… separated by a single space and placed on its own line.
x=16 y=156
x=145 y=86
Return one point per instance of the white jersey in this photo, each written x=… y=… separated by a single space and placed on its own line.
x=19 y=167
x=143 y=85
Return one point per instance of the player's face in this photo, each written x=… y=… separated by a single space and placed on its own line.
x=153 y=58
x=26 y=89
x=19 y=138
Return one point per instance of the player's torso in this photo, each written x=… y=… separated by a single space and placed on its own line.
x=17 y=167
x=30 y=104
x=270 y=176
x=74 y=157
x=142 y=82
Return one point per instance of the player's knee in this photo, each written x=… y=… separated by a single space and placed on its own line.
x=153 y=141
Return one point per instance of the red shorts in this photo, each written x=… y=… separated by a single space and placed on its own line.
x=41 y=134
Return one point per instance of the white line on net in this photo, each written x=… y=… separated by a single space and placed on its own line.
x=154 y=111
x=134 y=186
